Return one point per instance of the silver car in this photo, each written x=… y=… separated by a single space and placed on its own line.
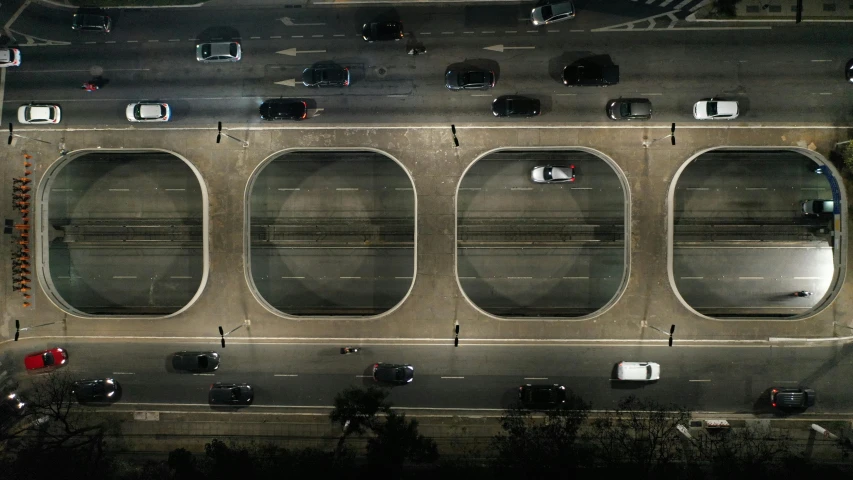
x=553 y=174
x=552 y=12
x=218 y=52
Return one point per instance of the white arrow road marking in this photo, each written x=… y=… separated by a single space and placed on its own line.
x=292 y=51
x=287 y=83
x=317 y=114
x=501 y=48
x=289 y=23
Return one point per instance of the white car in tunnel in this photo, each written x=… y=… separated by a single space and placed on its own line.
x=39 y=114
x=553 y=174
x=148 y=112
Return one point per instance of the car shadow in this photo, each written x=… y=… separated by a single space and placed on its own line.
x=484 y=64
x=218 y=34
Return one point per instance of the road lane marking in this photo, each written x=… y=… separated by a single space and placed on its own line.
x=402 y=278
x=756 y=188
x=176 y=189
x=290 y=189
x=132 y=41
x=123 y=373
x=521 y=188
x=180 y=277
x=153 y=41
x=536 y=378
x=350 y=278
x=510 y=31
x=567 y=94
x=294 y=278
x=820 y=60
x=750 y=278
x=123 y=277
x=363 y=376
x=651 y=94
x=470 y=188
x=285 y=375
x=468 y=33
x=347 y=189
x=276 y=36
x=806 y=278
x=119 y=190
x=691 y=278
x=451 y=378
x=519 y=278
x=697 y=188
x=575 y=278
x=699 y=380
x=338 y=35
x=203 y=375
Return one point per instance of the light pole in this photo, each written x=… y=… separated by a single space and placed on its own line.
x=671 y=330
x=222 y=333
x=842 y=143
x=12 y=135
x=18 y=328
x=220 y=134
x=648 y=143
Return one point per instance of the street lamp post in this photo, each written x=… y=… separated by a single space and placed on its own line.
x=670 y=333
x=222 y=333
x=648 y=143
x=12 y=135
x=220 y=134
x=18 y=328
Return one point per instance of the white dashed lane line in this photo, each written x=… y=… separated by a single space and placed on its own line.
x=699 y=380
x=285 y=375
x=536 y=378
x=451 y=378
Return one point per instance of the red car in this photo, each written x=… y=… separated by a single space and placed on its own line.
x=47 y=359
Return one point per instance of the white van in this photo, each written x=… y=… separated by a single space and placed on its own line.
x=638 y=371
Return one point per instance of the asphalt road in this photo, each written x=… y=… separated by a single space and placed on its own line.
x=718 y=378
x=153 y=59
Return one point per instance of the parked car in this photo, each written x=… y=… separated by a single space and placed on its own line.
x=99 y=390
x=786 y=398
x=196 y=362
x=552 y=12
x=91 y=22
x=326 y=76
x=218 y=52
x=849 y=71
x=148 y=112
x=10 y=57
x=515 y=106
x=715 y=110
x=38 y=114
x=233 y=394
x=46 y=360
x=280 y=109
x=818 y=207
x=400 y=374
x=382 y=31
x=541 y=397
x=585 y=73
x=469 y=79
x=553 y=174
x=638 y=371
x=12 y=405
x=629 y=109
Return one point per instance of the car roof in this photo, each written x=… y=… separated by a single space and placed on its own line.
x=150 y=110
x=40 y=111
x=726 y=107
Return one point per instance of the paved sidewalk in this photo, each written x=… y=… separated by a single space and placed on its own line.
x=780 y=11
x=436 y=302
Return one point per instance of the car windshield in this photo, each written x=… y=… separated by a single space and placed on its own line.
x=625 y=109
x=202 y=361
x=541 y=395
x=48 y=358
x=475 y=77
x=233 y=49
x=547 y=174
x=648 y=371
x=205 y=50
x=712 y=108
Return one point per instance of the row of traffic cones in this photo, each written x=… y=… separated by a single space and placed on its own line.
x=21 y=256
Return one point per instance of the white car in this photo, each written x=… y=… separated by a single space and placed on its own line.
x=715 y=110
x=638 y=371
x=39 y=114
x=552 y=12
x=553 y=174
x=148 y=112
x=10 y=57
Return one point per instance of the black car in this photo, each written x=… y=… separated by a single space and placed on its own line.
x=590 y=74
x=100 y=390
x=284 y=110
x=393 y=373
x=629 y=109
x=89 y=22
x=325 y=76
x=541 y=397
x=234 y=394
x=787 y=398
x=515 y=106
x=848 y=71
x=196 y=362
x=469 y=79
x=382 y=31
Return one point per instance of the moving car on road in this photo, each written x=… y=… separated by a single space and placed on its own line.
x=148 y=112
x=553 y=174
x=469 y=79
x=638 y=371
x=552 y=12
x=541 y=397
x=629 y=109
x=218 y=52
x=515 y=106
x=585 y=73
x=100 y=390
x=196 y=362
x=818 y=207
x=46 y=360
x=233 y=394
x=325 y=76
x=715 y=110
x=280 y=109
x=38 y=114
x=787 y=398
x=10 y=57
x=399 y=374
x=91 y=22
x=382 y=31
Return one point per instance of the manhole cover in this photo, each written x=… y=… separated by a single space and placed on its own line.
x=381 y=71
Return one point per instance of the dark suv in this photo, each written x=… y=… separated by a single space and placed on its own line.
x=382 y=31
x=786 y=398
x=542 y=397
x=226 y=394
x=90 y=22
